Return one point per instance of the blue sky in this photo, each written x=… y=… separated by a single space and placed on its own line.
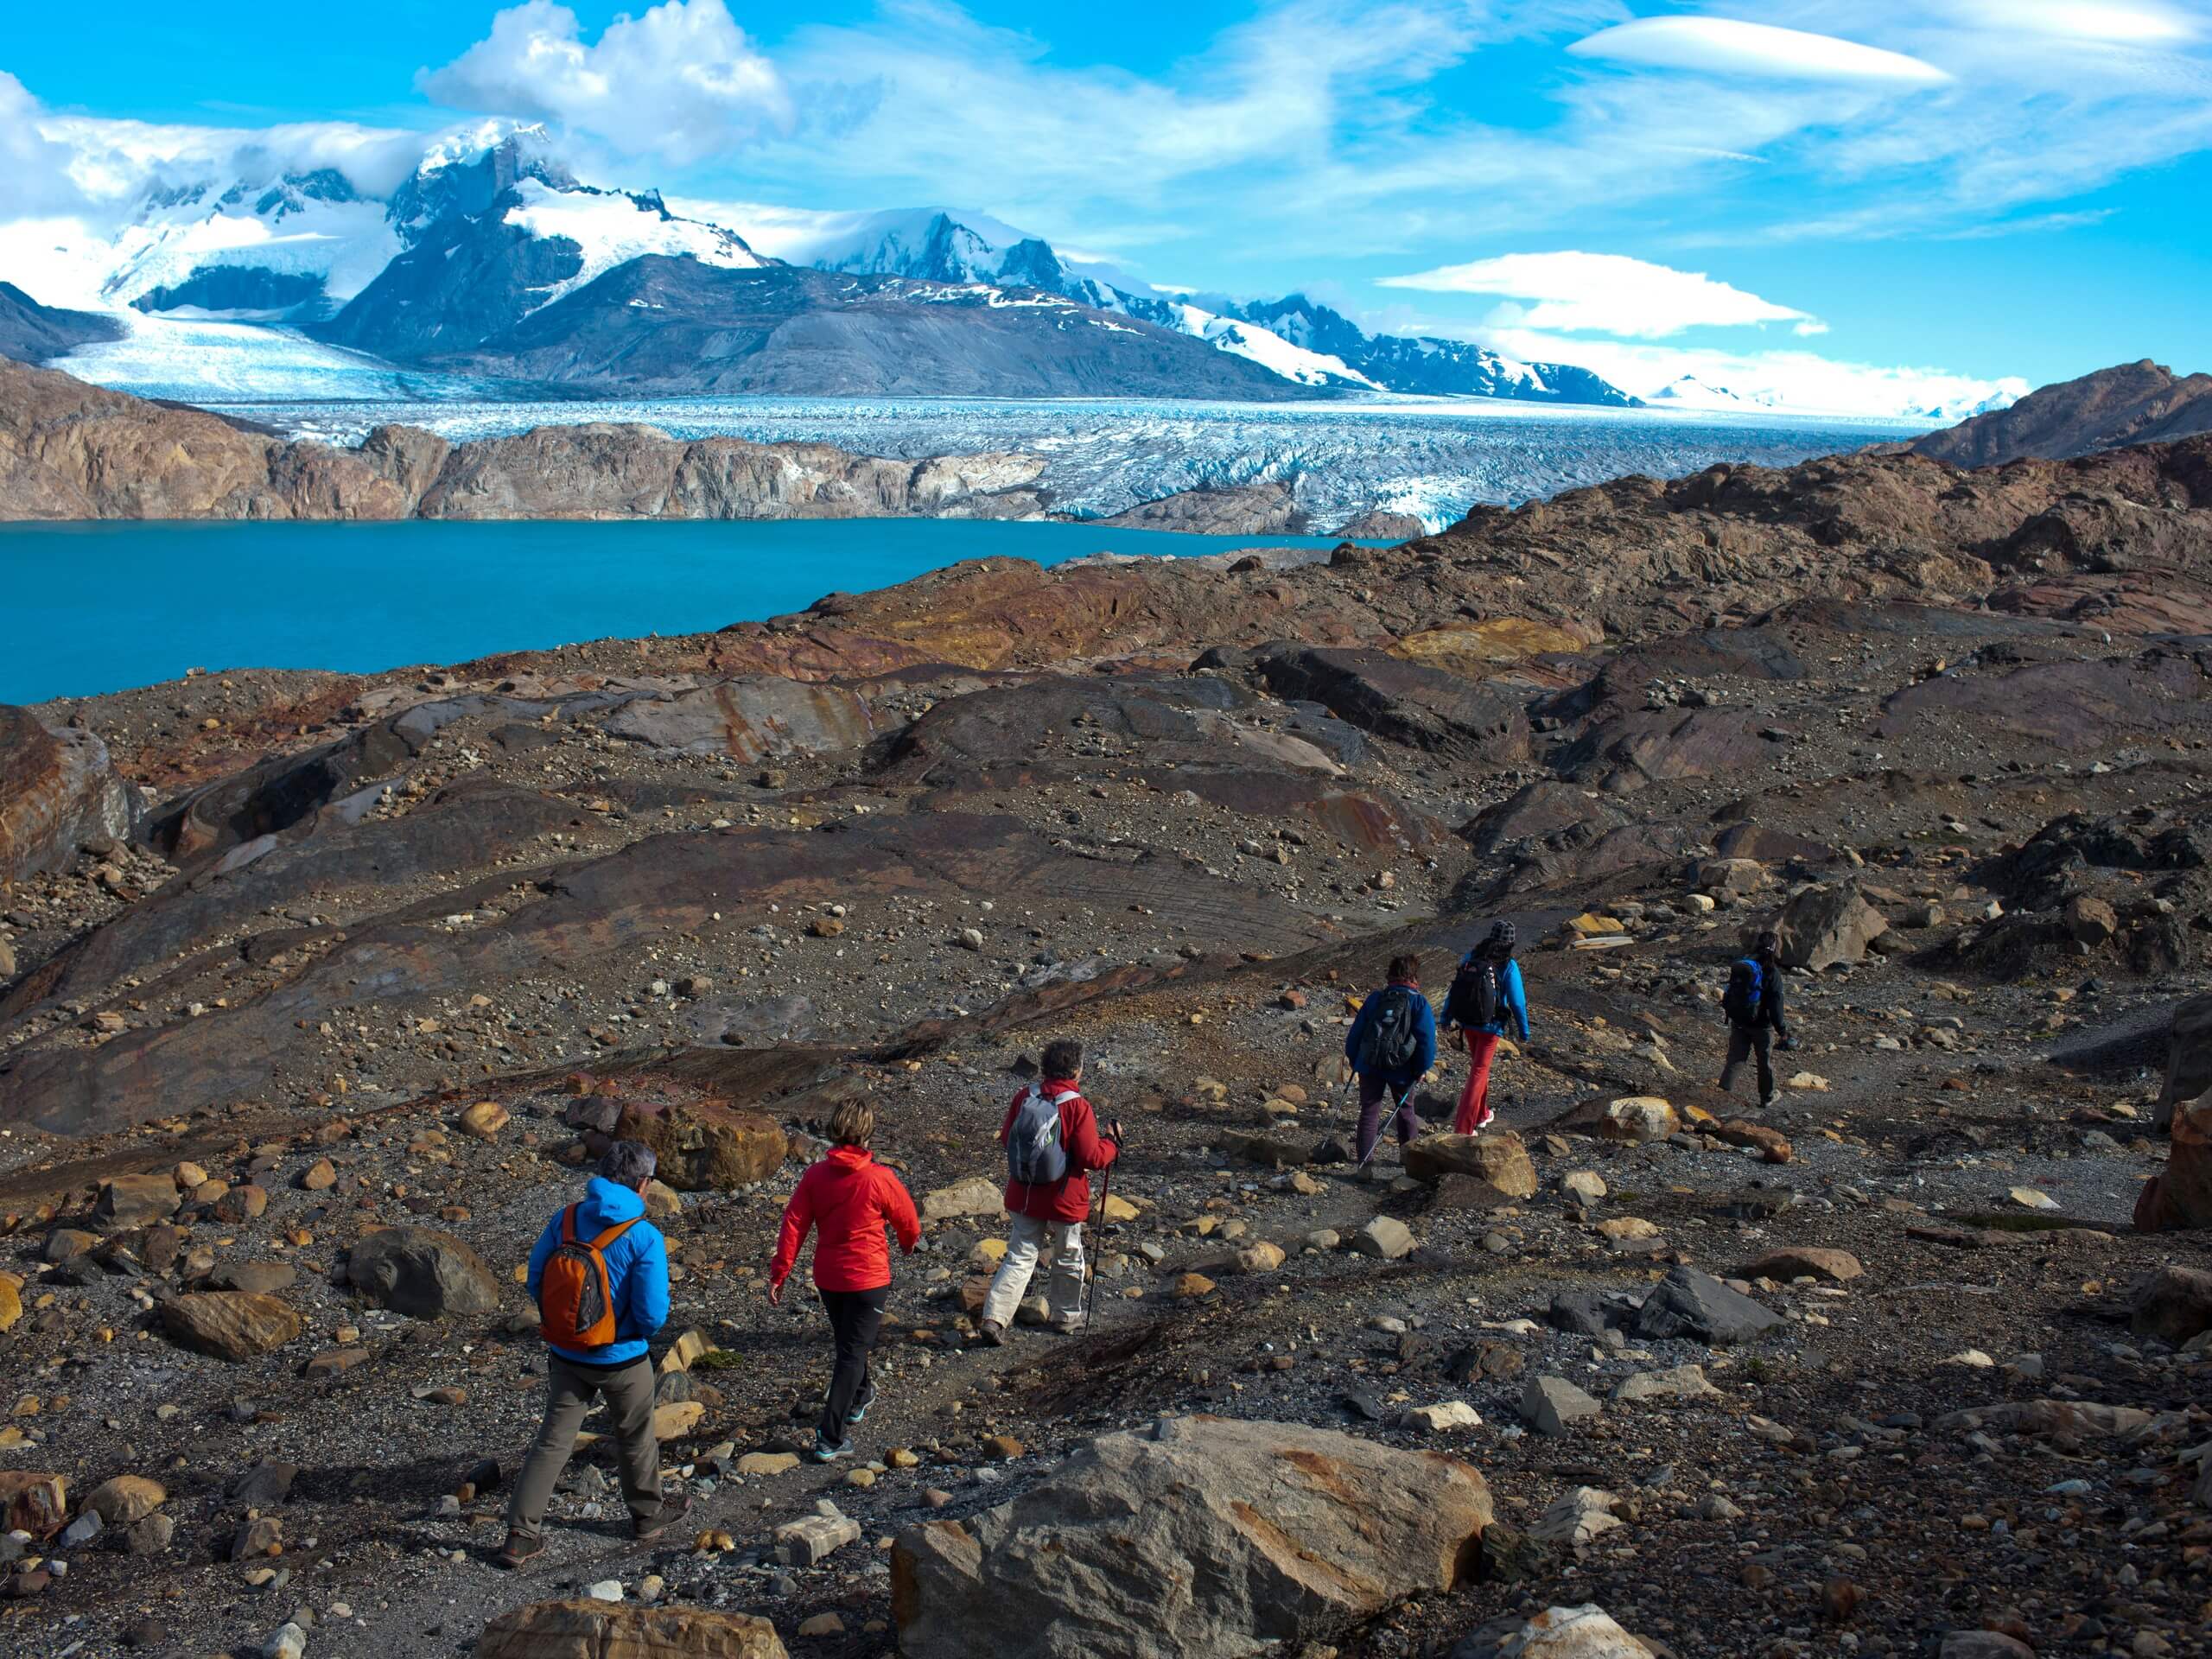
x=1801 y=190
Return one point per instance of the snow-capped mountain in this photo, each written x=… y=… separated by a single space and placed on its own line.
x=1687 y=391
x=441 y=269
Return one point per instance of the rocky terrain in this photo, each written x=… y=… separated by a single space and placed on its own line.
x=318 y=988
x=69 y=450
x=2129 y=403
x=31 y=332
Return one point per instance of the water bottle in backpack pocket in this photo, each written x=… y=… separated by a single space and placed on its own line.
x=1747 y=991
x=576 y=1296
x=1035 y=1154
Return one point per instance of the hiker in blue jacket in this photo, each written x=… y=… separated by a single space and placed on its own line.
x=1492 y=960
x=1391 y=1045
x=1754 y=1005
x=608 y=1225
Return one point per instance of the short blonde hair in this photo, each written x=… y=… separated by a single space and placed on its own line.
x=853 y=1124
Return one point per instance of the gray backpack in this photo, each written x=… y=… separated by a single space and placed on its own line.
x=1034 y=1154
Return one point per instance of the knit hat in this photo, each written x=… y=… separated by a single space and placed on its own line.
x=1504 y=935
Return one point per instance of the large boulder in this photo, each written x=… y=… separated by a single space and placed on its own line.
x=230 y=1325
x=1634 y=1119
x=705 y=1147
x=608 y=1630
x=2188 y=1057
x=1196 y=1538
x=129 y=1201
x=58 y=789
x=31 y=1503
x=421 y=1272
x=979 y=1195
x=2181 y=1196
x=1825 y=925
x=1688 y=1303
x=2175 y=1304
x=1585 y=1632
x=1499 y=1159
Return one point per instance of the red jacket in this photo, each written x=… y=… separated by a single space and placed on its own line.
x=850 y=1197
x=1069 y=1198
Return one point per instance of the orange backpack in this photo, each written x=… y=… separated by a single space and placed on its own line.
x=575 y=1299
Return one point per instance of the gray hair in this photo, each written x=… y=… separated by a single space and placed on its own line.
x=628 y=1163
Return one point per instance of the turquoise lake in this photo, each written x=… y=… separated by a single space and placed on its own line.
x=99 y=607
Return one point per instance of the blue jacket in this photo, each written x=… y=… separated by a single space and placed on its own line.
x=1424 y=1055
x=637 y=1270
x=1516 y=1003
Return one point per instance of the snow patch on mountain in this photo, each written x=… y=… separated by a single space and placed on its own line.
x=613 y=228
x=1267 y=348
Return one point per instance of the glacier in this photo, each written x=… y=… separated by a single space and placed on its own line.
x=1433 y=458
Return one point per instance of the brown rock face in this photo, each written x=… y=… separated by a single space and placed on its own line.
x=57 y=789
x=69 y=450
x=603 y=1629
x=1498 y=1159
x=232 y=1325
x=1196 y=1535
x=37 y=1504
x=2181 y=1197
x=705 y=1147
x=2129 y=403
x=2188 y=1057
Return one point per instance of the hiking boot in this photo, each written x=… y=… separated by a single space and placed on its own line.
x=993 y=1333
x=519 y=1551
x=830 y=1453
x=859 y=1413
x=671 y=1511
x=1069 y=1325
x=1765 y=1101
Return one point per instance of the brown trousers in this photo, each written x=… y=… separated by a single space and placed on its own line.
x=569 y=1390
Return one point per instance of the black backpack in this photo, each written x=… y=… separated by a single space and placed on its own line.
x=1747 y=991
x=1478 y=993
x=1393 y=1039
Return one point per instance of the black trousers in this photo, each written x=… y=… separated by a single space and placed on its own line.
x=1744 y=1042
x=856 y=1316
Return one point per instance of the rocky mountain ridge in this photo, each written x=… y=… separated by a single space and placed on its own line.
x=319 y=991
x=2128 y=403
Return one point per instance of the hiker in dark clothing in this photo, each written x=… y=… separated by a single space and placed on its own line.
x=1486 y=997
x=1391 y=1045
x=1754 y=1005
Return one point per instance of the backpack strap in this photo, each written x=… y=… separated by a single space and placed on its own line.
x=614 y=1232
x=568 y=1225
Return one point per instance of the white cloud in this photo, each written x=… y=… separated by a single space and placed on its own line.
x=1788 y=379
x=1725 y=46
x=34 y=169
x=2084 y=20
x=1608 y=293
x=681 y=82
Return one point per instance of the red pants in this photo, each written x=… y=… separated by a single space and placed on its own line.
x=1474 y=1100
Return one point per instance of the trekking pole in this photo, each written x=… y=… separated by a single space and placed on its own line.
x=1090 y=1288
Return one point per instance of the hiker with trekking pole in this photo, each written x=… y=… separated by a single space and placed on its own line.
x=1391 y=1044
x=1052 y=1143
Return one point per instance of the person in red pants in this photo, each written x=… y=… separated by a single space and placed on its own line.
x=1486 y=996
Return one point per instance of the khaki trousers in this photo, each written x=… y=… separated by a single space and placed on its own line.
x=569 y=1390
x=1026 y=1239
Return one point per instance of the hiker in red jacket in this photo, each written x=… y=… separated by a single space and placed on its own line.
x=1052 y=1144
x=848 y=1198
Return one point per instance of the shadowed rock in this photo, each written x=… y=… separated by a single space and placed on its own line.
x=57 y=790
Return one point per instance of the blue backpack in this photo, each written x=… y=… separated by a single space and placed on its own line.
x=1747 y=991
